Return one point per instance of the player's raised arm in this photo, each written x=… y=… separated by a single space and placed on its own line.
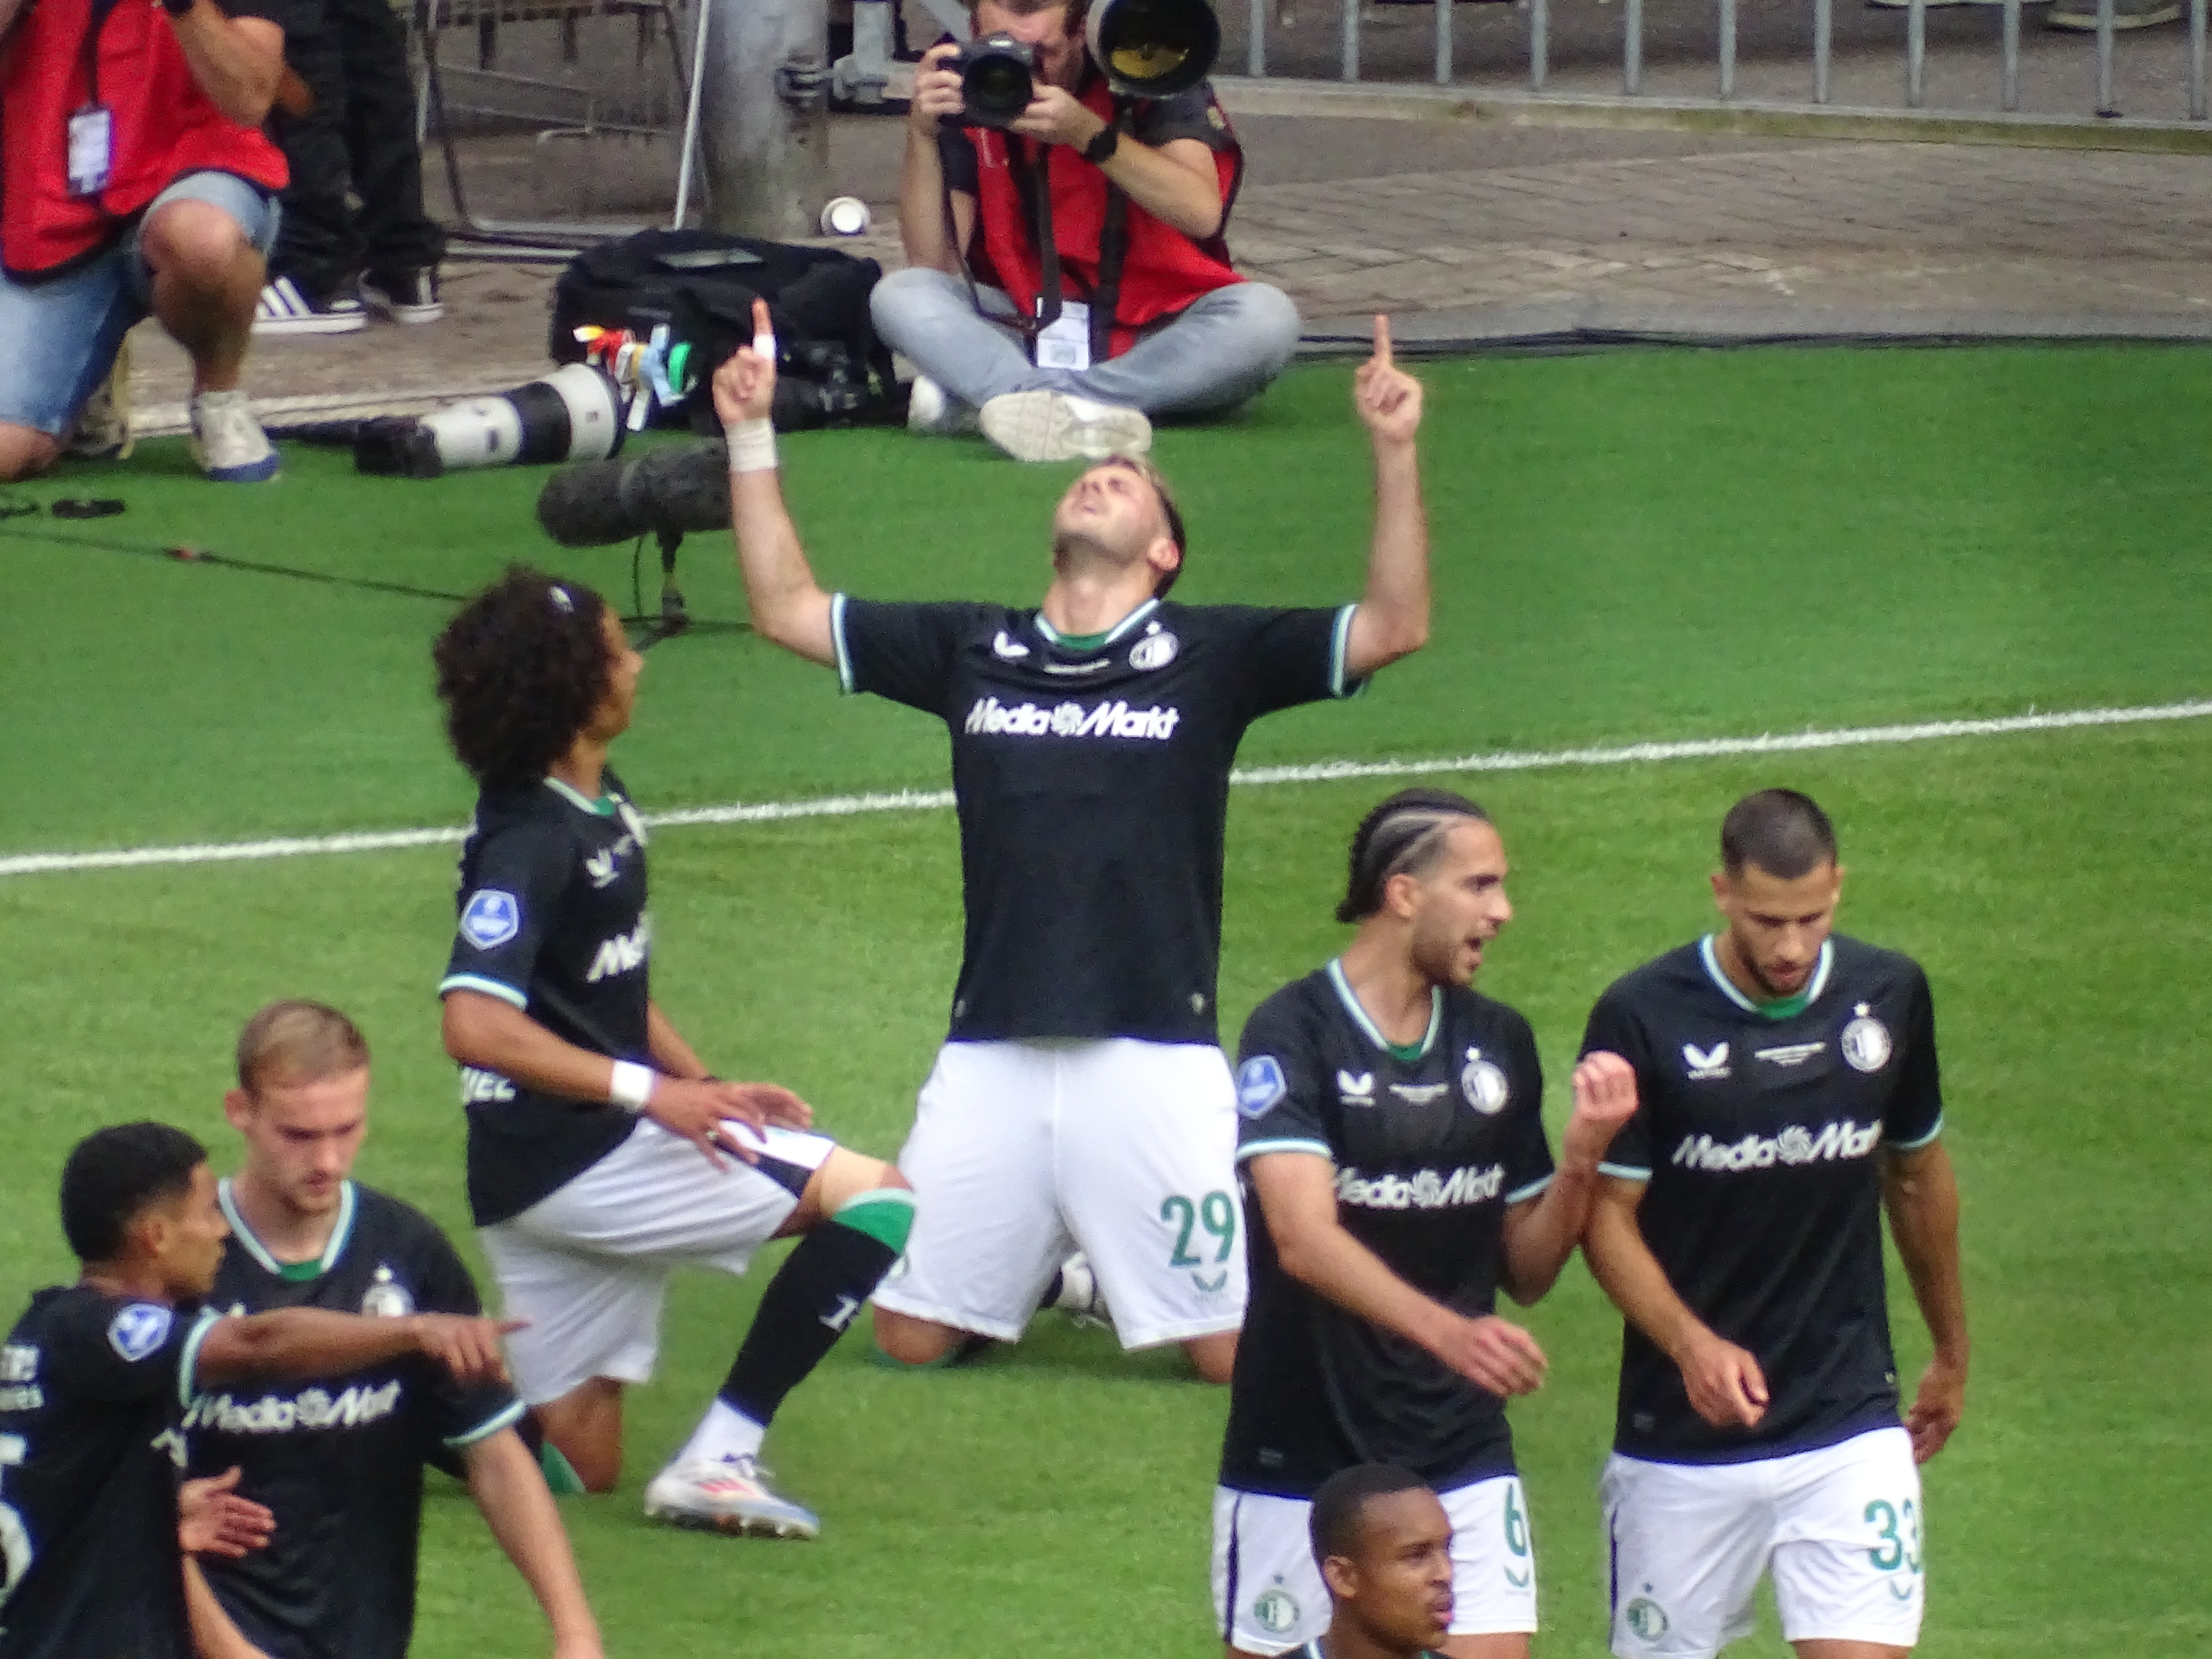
x=1920 y=1190
x=1725 y=1384
x=788 y=606
x=1297 y=1204
x=1393 y=617
x=1541 y=1232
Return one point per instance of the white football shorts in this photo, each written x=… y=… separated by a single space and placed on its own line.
x=1839 y=1526
x=1269 y=1597
x=1023 y=1151
x=587 y=1264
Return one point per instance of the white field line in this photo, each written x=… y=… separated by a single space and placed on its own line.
x=926 y=800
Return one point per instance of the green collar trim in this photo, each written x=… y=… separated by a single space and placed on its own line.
x=603 y=807
x=292 y=1272
x=1780 y=1007
x=1094 y=641
x=1404 y=1054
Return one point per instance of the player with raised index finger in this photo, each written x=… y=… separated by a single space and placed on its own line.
x=1392 y=1143
x=1081 y=1098
x=1789 y=1093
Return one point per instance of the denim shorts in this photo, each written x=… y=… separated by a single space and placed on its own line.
x=63 y=334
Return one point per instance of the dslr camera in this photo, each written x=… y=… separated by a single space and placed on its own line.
x=996 y=80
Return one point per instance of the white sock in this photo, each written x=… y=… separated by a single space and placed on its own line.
x=724 y=1431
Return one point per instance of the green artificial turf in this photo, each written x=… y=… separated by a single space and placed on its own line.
x=1628 y=546
x=1631 y=546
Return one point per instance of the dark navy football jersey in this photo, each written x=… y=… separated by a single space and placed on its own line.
x=91 y=1390
x=1092 y=783
x=338 y=1460
x=1430 y=1145
x=552 y=920
x=1758 y=1138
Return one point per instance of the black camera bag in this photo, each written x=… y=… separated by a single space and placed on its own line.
x=830 y=368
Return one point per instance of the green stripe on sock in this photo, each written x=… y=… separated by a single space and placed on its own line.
x=882 y=1213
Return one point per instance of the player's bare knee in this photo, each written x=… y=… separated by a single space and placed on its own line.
x=912 y=1341
x=1213 y=1358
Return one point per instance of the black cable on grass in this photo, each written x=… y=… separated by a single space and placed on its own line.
x=651 y=629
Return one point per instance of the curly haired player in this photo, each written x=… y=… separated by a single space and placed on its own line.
x=600 y=1150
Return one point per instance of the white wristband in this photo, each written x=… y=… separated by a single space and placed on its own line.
x=632 y=1086
x=752 y=447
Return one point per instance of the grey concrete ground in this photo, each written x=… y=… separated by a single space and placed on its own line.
x=1473 y=230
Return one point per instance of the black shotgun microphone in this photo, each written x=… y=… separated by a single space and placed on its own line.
x=667 y=492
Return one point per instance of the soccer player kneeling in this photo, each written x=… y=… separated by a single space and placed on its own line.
x=1788 y=1089
x=601 y=1153
x=1392 y=1140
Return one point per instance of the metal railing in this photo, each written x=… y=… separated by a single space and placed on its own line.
x=1260 y=24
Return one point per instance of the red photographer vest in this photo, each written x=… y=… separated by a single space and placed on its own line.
x=1112 y=253
x=164 y=127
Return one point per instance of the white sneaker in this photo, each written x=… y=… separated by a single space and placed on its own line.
x=1052 y=426
x=1079 y=1297
x=934 y=412
x=283 y=309
x=726 y=1494
x=103 y=425
x=228 y=442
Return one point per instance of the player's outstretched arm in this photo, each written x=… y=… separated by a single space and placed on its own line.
x=314 y=1342
x=1725 y=1384
x=1920 y=1190
x=1393 y=617
x=1541 y=1232
x=788 y=605
x=1298 y=1205
x=504 y=1479
x=494 y=1036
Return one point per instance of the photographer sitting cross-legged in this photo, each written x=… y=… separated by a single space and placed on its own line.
x=1153 y=321
x=134 y=179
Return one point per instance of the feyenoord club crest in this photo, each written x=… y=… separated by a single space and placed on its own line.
x=1155 y=650
x=1276 y=1611
x=385 y=1297
x=1866 y=1042
x=1484 y=1085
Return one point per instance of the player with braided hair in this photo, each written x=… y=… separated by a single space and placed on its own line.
x=600 y=1148
x=1392 y=1147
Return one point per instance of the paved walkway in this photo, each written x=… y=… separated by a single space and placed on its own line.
x=1488 y=233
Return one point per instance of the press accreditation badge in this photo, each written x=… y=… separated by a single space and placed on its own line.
x=1067 y=343
x=91 y=150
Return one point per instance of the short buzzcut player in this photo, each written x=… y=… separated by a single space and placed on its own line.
x=1782 y=832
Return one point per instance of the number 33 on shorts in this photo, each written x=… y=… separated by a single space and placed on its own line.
x=1205 y=1237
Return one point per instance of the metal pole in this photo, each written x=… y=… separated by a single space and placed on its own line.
x=1823 y=35
x=1539 y=40
x=766 y=114
x=2106 y=27
x=689 y=158
x=1255 y=40
x=1727 y=50
x=2011 y=55
x=2196 y=60
x=1444 y=42
x=1915 y=54
x=1632 y=49
x=1349 y=69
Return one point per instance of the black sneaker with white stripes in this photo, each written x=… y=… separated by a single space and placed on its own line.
x=406 y=296
x=284 y=309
